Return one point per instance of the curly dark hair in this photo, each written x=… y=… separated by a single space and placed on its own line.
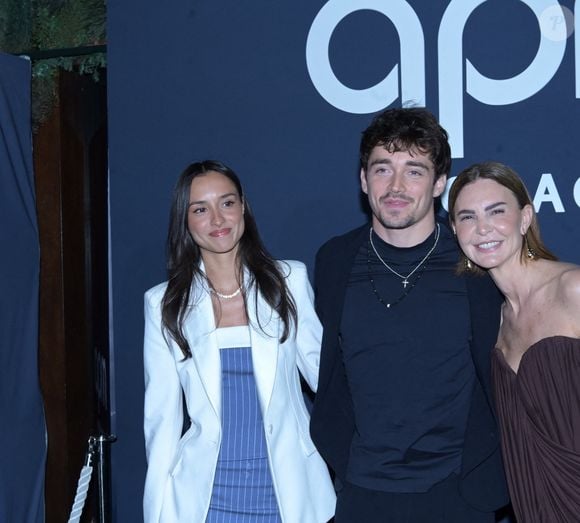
x=406 y=129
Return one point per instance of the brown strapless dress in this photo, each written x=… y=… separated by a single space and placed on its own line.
x=539 y=417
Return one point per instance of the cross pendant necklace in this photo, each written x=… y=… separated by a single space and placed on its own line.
x=405 y=279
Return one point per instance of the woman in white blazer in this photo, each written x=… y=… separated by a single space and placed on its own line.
x=225 y=339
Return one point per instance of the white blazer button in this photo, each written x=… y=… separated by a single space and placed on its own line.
x=270 y=428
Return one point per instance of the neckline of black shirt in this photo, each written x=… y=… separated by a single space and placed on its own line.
x=403 y=256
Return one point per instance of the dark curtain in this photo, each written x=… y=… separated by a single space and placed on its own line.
x=22 y=426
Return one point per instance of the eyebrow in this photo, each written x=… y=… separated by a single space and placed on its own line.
x=488 y=208
x=223 y=196
x=410 y=163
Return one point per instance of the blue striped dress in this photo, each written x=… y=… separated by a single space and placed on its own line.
x=242 y=491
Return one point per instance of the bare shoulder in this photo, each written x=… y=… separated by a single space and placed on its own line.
x=569 y=290
x=569 y=281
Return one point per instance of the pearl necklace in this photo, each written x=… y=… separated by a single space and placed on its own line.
x=226 y=296
x=405 y=279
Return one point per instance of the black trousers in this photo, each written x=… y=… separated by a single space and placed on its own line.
x=441 y=504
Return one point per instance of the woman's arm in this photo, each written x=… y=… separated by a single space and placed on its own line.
x=309 y=328
x=163 y=419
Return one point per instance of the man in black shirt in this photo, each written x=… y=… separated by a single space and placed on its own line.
x=403 y=413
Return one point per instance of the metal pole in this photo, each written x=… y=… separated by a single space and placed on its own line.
x=46 y=54
x=103 y=478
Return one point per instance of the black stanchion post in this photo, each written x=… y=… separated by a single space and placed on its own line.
x=104 y=478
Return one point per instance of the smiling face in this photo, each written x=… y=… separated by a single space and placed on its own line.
x=215 y=216
x=401 y=188
x=489 y=223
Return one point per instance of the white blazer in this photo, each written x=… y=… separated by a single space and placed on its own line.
x=181 y=470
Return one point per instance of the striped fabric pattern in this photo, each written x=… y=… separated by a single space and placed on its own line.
x=243 y=491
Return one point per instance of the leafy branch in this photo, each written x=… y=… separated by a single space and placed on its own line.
x=29 y=26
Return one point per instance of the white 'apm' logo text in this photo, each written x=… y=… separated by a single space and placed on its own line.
x=556 y=24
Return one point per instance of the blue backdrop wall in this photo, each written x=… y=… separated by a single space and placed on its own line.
x=281 y=91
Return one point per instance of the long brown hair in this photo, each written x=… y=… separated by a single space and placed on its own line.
x=184 y=258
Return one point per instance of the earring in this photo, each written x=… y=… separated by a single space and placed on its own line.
x=468 y=264
x=530 y=254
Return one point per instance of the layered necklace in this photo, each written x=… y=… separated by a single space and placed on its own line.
x=407 y=286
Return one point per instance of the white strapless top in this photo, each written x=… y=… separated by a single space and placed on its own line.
x=233 y=337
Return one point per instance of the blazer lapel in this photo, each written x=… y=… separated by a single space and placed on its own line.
x=264 y=334
x=200 y=333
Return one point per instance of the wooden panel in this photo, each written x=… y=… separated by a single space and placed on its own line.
x=71 y=181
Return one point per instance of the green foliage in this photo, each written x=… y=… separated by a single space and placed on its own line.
x=15 y=25
x=41 y=25
x=73 y=23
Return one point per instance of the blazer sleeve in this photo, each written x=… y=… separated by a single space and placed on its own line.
x=163 y=414
x=308 y=328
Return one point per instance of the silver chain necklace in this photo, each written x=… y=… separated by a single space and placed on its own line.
x=405 y=279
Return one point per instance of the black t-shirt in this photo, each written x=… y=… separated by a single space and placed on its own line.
x=408 y=366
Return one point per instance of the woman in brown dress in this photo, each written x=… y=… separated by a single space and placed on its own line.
x=536 y=362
